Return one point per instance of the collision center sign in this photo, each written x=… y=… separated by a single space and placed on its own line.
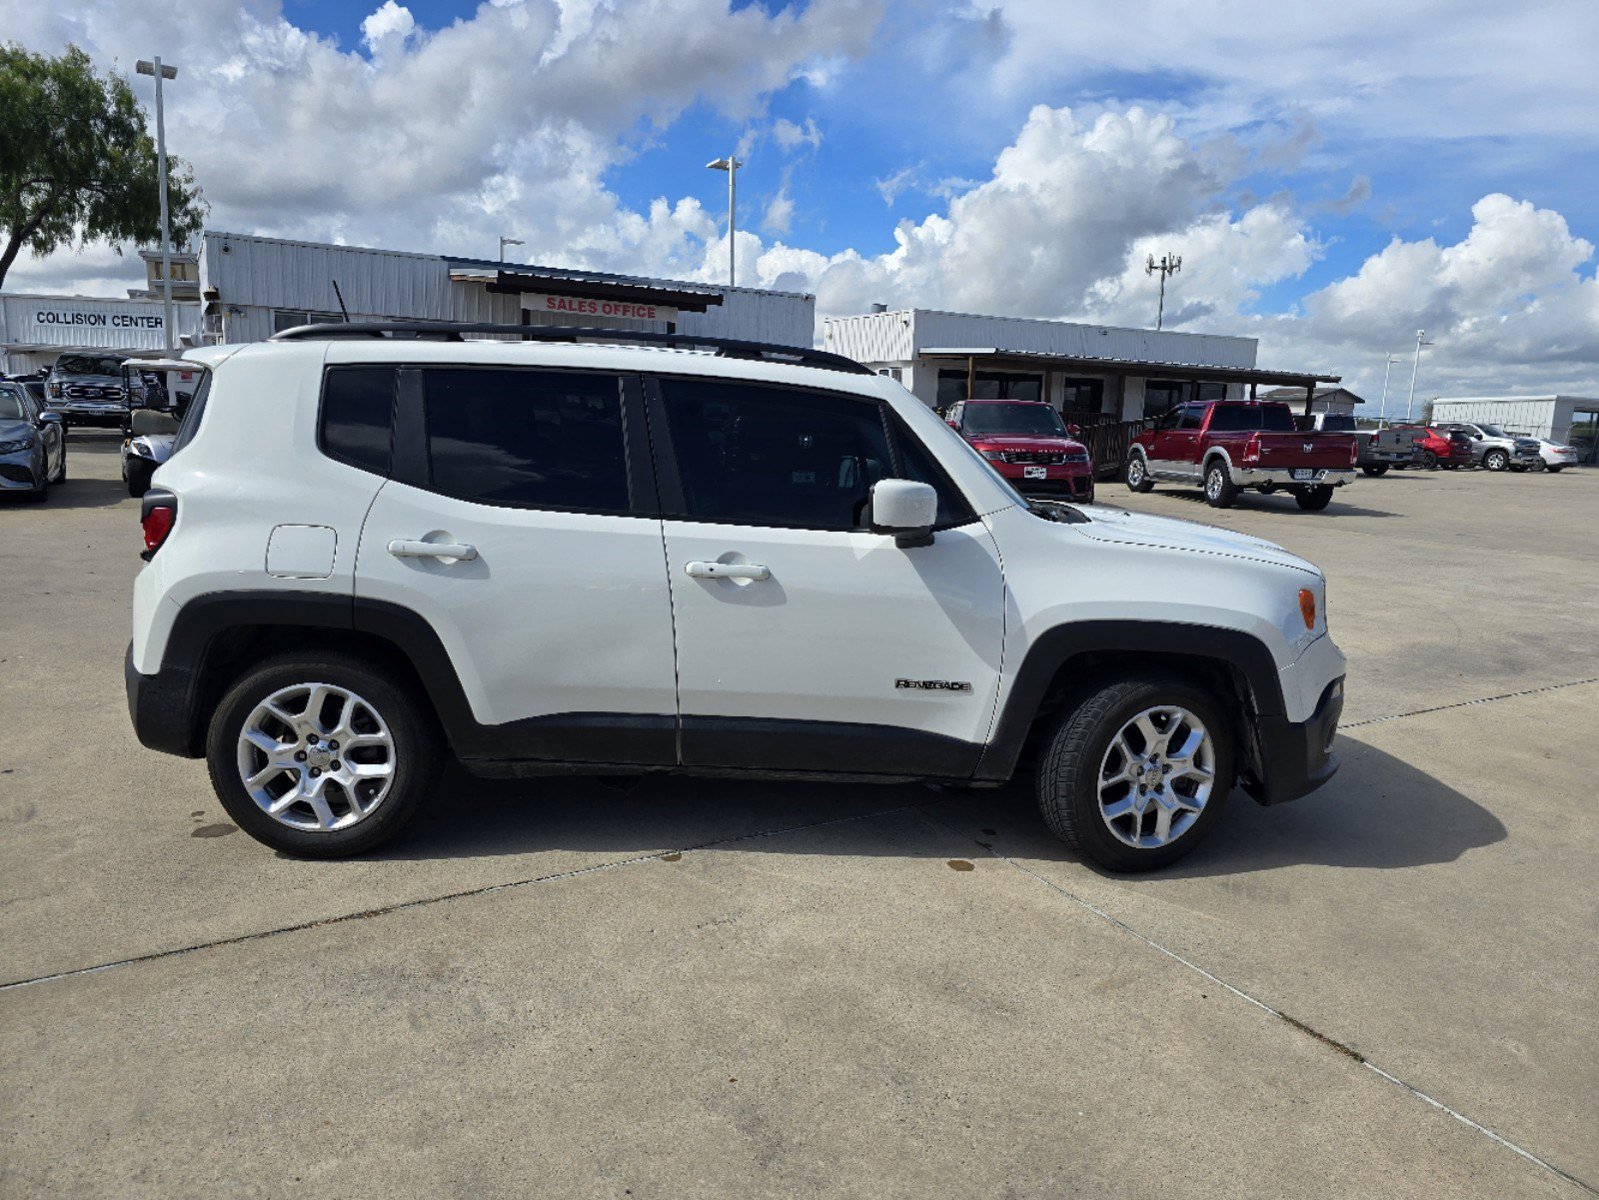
x=579 y=306
x=102 y=320
x=87 y=323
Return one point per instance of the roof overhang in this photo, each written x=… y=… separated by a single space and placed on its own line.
x=584 y=285
x=993 y=356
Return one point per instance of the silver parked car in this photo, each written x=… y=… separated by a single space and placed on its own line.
x=33 y=444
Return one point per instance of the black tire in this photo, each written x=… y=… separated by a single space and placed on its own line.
x=1137 y=475
x=1313 y=499
x=41 y=493
x=418 y=752
x=1555 y=470
x=1427 y=460
x=61 y=475
x=1376 y=470
x=1220 y=490
x=1068 y=779
x=138 y=474
x=1496 y=460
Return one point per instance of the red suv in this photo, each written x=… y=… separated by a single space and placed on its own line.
x=1027 y=443
x=1440 y=447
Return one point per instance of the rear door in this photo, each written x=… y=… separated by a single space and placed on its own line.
x=522 y=525
x=805 y=641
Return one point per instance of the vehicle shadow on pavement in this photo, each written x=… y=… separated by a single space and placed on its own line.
x=1280 y=501
x=1378 y=812
x=74 y=493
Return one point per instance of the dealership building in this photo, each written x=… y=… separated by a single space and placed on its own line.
x=252 y=287
x=1557 y=418
x=36 y=330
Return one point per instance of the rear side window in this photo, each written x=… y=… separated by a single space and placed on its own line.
x=527 y=439
x=358 y=416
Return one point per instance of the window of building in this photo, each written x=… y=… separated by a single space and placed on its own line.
x=358 y=416
x=1163 y=395
x=1211 y=391
x=289 y=318
x=1082 y=395
x=988 y=385
x=527 y=439
x=897 y=374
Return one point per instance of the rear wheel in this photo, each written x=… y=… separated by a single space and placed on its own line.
x=1220 y=491
x=1427 y=460
x=1313 y=499
x=322 y=757
x=1555 y=470
x=1376 y=470
x=1135 y=776
x=1138 y=479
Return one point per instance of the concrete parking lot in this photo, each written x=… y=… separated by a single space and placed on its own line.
x=678 y=988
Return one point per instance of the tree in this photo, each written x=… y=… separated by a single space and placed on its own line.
x=77 y=161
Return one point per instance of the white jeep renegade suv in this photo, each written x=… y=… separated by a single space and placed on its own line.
x=375 y=545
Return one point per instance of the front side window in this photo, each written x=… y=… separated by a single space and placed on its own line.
x=527 y=439
x=12 y=406
x=786 y=458
x=358 y=416
x=1192 y=416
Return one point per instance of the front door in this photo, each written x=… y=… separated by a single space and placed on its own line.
x=1176 y=442
x=523 y=531
x=806 y=642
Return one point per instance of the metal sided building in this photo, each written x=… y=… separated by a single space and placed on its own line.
x=252 y=287
x=1091 y=372
x=1557 y=418
x=37 y=330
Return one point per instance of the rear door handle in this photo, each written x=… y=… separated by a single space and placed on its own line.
x=717 y=570
x=406 y=548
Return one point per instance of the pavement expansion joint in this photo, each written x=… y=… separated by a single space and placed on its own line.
x=669 y=855
x=1294 y=1022
x=1421 y=712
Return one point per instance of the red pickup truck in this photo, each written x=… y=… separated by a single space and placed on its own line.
x=1229 y=445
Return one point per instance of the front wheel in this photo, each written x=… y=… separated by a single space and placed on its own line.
x=1496 y=460
x=1220 y=491
x=322 y=757
x=138 y=472
x=1135 y=776
x=1138 y=479
x=1376 y=470
x=1313 y=499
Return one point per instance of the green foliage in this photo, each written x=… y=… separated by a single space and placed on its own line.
x=78 y=160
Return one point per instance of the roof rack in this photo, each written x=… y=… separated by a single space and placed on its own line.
x=455 y=331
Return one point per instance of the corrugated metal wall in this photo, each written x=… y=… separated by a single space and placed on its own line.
x=881 y=339
x=260 y=274
x=1538 y=416
x=941 y=329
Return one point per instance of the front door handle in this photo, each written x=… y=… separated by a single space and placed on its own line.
x=406 y=548
x=719 y=570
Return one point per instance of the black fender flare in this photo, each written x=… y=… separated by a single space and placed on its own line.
x=1233 y=649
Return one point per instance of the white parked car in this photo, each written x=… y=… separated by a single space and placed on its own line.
x=737 y=560
x=1557 y=456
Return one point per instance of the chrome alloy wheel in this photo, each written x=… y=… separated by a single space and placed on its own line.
x=1213 y=482
x=316 y=757
x=1135 y=471
x=1156 y=777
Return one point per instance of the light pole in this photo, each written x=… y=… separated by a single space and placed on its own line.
x=156 y=68
x=731 y=166
x=505 y=241
x=1169 y=264
x=1382 y=419
x=1414 y=366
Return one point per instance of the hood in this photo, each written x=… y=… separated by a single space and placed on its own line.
x=1024 y=441
x=11 y=431
x=1139 y=529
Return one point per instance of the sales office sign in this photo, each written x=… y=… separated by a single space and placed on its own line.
x=615 y=310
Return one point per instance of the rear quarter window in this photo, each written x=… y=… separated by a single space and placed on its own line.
x=357 y=420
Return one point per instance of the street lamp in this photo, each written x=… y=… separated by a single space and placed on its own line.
x=1382 y=419
x=1169 y=264
x=731 y=166
x=505 y=241
x=1414 y=366
x=156 y=68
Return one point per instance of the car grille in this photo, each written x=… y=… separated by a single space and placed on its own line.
x=1053 y=458
x=90 y=391
x=15 y=473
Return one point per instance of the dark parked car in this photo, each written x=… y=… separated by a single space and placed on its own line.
x=33 y=444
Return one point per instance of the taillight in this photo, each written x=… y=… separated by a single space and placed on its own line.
x=157 y=516
x=1252 y=450
x=1354 y=451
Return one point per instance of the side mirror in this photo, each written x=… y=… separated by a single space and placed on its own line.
x=906 y=509
x=50 y=418
x=1074 y=431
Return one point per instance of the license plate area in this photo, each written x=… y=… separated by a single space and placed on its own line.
x=1301 y=473
x=1034 y=473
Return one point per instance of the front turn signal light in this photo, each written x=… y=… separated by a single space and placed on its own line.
x=1307 y=607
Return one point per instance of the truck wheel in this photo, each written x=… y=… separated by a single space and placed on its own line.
x=322 y=756
x=1427 y=460
x=1376 y=470
x=1136 y=775
x=1313 y=499
x=1138 y=479
x=1220 y=491
x=1496 y=460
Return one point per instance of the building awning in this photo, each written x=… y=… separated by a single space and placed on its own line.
x=1034 y=360
x=582 y=285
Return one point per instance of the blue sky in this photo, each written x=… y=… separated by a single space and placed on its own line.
x=1334 y=176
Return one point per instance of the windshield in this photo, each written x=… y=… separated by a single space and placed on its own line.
x=1022 y=419
x=88 y=364
x=11 y=405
